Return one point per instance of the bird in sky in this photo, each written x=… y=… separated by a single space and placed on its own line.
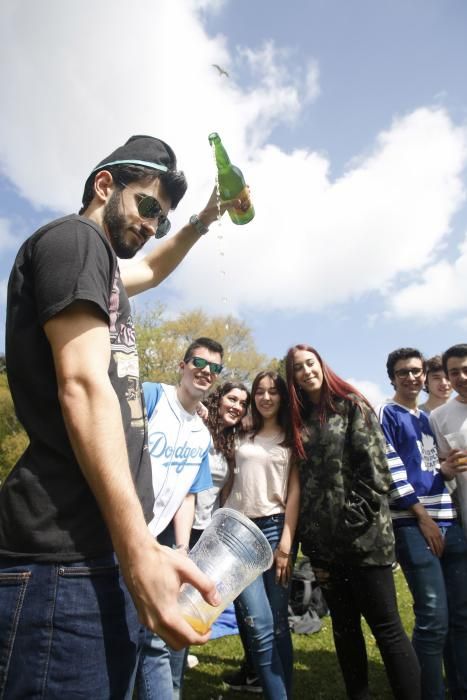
x=221 y=70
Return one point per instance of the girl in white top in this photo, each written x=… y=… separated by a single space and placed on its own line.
x=266 y=489
x=225 y=408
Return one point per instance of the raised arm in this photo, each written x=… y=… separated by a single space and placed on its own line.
x=79 y=339
x=167 y=255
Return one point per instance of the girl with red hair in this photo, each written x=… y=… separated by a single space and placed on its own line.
x=344 y=522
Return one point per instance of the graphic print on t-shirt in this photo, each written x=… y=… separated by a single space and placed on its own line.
x=428 y=452
x=168 y=455
x=123 y=345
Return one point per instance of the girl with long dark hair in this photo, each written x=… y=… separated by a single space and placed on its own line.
x=225 y=407
x=266 y=489
x=344 y=524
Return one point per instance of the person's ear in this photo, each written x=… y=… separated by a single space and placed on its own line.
x=104 y=185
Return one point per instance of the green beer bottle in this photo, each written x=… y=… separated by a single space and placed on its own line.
x=231 y=183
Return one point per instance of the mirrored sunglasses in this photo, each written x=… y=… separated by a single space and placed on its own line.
x=149 y=208
x=201 y=363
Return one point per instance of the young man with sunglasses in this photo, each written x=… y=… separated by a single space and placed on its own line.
x=179 y=448
x=429 y=541
x=78 y=565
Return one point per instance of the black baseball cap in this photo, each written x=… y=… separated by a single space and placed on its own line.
x=141 y=150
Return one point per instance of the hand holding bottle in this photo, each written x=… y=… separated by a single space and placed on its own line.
x=231 y=183
x=213 y=208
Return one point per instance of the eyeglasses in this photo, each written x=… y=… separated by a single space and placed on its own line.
x=150 y=208
x=201 y=363
x=404 y=373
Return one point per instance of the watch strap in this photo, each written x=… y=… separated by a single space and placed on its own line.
x=198 y=225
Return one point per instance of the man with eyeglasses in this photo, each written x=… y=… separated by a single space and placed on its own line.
x=430 y=545
x=179 y=449
x=78 y=565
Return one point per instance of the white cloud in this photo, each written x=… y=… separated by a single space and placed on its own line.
x=372 y=391
x=209 y=5
x=315 y=242
x=79 y=78
x=442 y=289
x=312 y=80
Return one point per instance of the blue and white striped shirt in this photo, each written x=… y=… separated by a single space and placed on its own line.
x=414 y=466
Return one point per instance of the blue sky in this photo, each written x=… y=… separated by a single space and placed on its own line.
x=348 y=118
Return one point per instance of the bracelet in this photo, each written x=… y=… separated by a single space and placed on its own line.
x=282 y=553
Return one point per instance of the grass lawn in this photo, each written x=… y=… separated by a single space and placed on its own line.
x=316 y=672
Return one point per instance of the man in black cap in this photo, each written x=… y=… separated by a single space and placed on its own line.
x=78 y=565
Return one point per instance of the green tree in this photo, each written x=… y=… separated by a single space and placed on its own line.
x=11 y=449
x=162 y=343
x=13 y=439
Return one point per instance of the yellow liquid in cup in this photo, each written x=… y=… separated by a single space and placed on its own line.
x=197 y=624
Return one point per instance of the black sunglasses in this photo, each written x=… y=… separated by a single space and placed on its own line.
x=201 y=363
x=150 y=208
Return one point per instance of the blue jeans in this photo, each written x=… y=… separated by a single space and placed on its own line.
x=160 y=668
x=67 y=630
x=264 y=607
x=439 y=590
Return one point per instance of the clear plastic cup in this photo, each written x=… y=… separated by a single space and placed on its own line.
x=232 y=551
x=459 y=442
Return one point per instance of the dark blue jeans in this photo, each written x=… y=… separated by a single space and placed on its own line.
x=263 y=606
x=66 y=631
x=439 y=589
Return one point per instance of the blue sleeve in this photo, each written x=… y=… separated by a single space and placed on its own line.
x=203 y=479
x=401 y=494
x=152 y=393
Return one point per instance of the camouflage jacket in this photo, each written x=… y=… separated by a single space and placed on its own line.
x=344 y=479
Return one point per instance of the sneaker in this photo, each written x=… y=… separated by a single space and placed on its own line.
x=242 y=680
x=192 y=661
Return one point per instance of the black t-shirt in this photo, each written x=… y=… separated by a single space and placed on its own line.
x=47 y=510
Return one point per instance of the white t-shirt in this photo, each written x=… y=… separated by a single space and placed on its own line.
x=178 y=445
x=452 y=418
x=208 y=501
x=449 y=418
x=262 y=468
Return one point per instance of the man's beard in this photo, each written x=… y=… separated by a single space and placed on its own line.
x=116 y=226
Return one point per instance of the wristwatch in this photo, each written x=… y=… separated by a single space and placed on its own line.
x=198 y=225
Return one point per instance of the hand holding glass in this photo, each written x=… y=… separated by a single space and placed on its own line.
x=232 y=551
x=459 y=441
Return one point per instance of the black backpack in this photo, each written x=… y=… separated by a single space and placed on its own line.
x=306 y=604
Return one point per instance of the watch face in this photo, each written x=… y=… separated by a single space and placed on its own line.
x=198 y=224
